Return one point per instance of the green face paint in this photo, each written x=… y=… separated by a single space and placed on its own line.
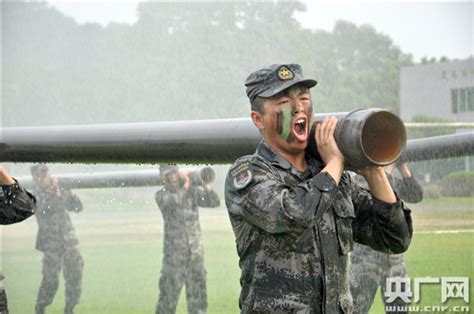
x=286 y=117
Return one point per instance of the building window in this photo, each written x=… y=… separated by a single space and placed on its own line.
x=454 y=100
x=462 y=100
x=471 y=99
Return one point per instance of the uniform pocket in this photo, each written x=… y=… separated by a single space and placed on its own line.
x=344 y=214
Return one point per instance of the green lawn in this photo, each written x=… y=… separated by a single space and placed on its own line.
x=122 y=253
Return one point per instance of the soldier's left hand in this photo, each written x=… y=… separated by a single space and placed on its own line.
x=367 y=172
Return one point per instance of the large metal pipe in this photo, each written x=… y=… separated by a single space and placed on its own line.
x=118 y=179
x=370 y=137
x=439 y=147
x=198 y=141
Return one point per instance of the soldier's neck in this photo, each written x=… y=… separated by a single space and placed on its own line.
x=297 y=161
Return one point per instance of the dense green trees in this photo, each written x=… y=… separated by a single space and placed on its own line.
x=181 y=61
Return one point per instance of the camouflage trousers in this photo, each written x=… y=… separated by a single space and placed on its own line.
x=177 y=272
x=3 y=297
x=369 y=270
x=72 y=264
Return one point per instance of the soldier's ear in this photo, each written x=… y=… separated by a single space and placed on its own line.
x=257 y=119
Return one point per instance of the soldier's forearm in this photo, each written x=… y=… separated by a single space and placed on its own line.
x=380 y=186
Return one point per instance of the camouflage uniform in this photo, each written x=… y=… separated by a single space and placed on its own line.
x=183 y=260
x=294 y=231
x=16 y=204
x=370 y=269
x=57 y=240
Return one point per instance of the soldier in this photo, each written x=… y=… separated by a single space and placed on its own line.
x=183 y=260
x=57 y=240
x=370 y=269
x=16 y=204
x=295 y=217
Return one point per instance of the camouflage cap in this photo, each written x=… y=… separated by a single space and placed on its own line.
x=268 y=82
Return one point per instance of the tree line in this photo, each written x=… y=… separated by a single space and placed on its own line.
x=182 y=61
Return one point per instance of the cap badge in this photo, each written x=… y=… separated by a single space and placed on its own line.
x=285 y=74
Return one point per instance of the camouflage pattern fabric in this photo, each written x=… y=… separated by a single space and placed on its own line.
x=3 y=297
x=72 y=264
x=294 y=232
x=370 y=269
x=16 y=204
x=183 y=255
x=56 y=238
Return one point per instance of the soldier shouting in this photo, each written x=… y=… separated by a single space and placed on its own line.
x=295 y=217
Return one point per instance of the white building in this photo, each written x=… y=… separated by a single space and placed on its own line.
x=444 y=90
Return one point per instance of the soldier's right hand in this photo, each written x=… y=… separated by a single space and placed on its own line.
x=325 y=141
x=327 y=148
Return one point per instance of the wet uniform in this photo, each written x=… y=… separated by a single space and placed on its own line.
x=294 y=231
x=16 y=204
x=183 y=256
x=370 y=269
x=57 y=240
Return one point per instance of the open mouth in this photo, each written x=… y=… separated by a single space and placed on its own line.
x=300 y=129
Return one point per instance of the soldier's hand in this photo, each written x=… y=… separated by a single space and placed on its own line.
x=368 y=172
x=54 y=186
x=325 y=141
x=328 y=150
x=184 y=175
x=389 y=168
x=404 y=170
x=207 y=187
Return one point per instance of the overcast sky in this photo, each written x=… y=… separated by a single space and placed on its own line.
x=431 y=29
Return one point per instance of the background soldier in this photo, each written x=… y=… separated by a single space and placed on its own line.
x=295 y=217
x=183 y=260
x=57 y=240
x=370 y=269
x=16 y=204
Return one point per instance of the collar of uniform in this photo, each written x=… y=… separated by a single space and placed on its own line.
x=314 y=165
x=276 y=159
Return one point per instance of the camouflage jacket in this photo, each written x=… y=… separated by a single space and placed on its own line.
x=182 y=236
x=294 y=231
x=407 y=189
x=55 y=228
x=16 y=204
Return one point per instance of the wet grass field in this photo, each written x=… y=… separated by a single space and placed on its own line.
x=122 y=253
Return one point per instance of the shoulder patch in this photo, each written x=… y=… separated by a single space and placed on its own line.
x=241 y=175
